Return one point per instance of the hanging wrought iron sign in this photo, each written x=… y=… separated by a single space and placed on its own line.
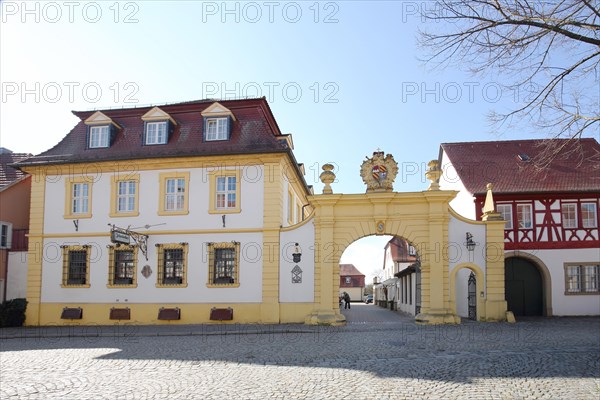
x=124 y=236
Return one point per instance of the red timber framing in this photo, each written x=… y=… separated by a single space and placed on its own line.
x=547 y=230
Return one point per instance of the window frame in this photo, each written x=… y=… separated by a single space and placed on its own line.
x=508 y=225
x=69 y=197
x=157 y=124
x=163 y=179
x=5 y=237
x=116 y=180
x=584 y=282
x=113 y=250
x=594 y=206
x=67 y=254
x=213 y=178
x=212 y=267
x=572 y=205
x=103 y=136
x=161 y=267
x=218 y=136
x=530 y=213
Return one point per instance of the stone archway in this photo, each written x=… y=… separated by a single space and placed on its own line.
x=545 y=275
x=480 y=291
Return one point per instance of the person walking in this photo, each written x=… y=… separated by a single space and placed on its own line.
x=346 y=300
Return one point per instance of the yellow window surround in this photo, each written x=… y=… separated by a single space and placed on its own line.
x=162 y=204
x=69 y=280
x=112 y=250
x=114 y=195
x=69 y=197
x=161 y=281
x=212 y=248
x=213 y=175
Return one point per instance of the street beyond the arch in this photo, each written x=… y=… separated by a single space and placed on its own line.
x=379 y=354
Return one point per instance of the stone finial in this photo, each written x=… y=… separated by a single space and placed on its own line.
x=489 y=210
x=433 y=173
x=327 y=177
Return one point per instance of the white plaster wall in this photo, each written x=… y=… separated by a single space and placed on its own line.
x=290 y=292
x=388 y=263
x=463 y=203
x=251 y=195
x=16 y=282
x=250 y=273
x=409 y=308
x=563 y=305
x=461 y=290
x=457 y=251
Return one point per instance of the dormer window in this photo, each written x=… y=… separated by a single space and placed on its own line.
x=218 y=121
x=99 y=136
x=217 y=128
x=156 y=132
x=101 y=131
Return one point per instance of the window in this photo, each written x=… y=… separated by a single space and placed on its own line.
x=569 y=215
x=122 y=266
x=506 y=211
x=217 y=129
x=348 y=280
x=79 y=198
x=524 y=216
x=5 y=236
x=156 y=132
x=99 y=136
x=582 y=278
x=172 y=262
x=76 y=266
x=588 y=215
x=223 y=264
x=174 y=193
x=124 y=195
x=224 y=192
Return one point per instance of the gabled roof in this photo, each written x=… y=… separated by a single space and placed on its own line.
x=399 y=249
x=507 y=164
x=349 y=270
x=254 y=130
x=9 y=174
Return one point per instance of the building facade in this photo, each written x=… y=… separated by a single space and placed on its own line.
x=551 y=234
x=352 y=281
x=15 y=189
x=398 y=289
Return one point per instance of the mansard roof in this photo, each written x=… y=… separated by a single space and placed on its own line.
x=508 y=165
x=254 y=130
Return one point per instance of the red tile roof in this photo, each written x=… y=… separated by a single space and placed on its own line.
x=9 y=174
x=399 y=250
x=576 y=168
x=254 y=131
x=349 y=270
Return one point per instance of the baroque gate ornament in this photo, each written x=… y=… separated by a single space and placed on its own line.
x=379 y=172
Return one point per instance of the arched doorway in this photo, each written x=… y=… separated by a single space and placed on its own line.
x=523 y=287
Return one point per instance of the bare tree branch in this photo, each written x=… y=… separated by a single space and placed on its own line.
x=550 y=47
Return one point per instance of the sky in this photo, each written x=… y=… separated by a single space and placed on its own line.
x=343 y=77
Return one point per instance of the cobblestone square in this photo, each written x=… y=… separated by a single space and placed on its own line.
x=379 y=354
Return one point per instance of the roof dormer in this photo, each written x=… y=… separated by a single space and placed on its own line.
x=158 y=126
x=101 y=130
x=217 y=122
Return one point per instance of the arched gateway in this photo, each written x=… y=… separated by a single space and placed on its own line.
x=444 y=240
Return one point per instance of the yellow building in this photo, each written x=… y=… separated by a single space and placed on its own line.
x=199 y=212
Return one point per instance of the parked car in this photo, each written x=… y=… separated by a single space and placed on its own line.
x=368 y=298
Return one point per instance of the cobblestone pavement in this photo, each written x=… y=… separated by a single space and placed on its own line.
x=378 y=355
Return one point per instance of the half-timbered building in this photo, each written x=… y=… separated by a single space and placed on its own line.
x=551 y=235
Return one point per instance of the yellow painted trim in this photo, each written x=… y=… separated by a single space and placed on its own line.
x=309 y=218
x=168 y=232
x=66 y=261
x=162 y=178
x=69 y=182
x=99 y=118
x=157 y=118
x=111 y=267
x=212 y=203
x=160 y=264
x=224 y=112
x=291 y=206
x=464 y=219
x=114 y=195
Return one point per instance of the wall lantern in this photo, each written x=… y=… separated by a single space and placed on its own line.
x=470 y=243
x=297 y=254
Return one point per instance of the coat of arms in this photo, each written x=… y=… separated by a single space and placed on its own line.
x=379 y=172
